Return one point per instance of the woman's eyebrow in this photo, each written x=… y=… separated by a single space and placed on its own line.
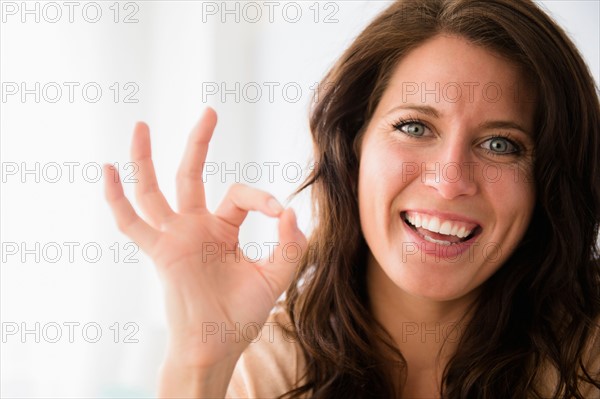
x=503 y=125
x=424 y=109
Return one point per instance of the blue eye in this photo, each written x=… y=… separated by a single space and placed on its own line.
x=501 y=146
x=411 y=128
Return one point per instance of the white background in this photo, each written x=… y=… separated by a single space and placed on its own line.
x=170 y=56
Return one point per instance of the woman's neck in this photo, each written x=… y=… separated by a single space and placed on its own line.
x=425 y=331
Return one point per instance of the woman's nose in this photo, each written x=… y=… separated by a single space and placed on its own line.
x=451 y=172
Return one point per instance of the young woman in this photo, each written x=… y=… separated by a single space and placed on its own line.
x=457 y=200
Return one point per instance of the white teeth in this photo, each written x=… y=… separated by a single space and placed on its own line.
x=445 y=228
x=454 y=230
x=435 y=225
x=441 y=242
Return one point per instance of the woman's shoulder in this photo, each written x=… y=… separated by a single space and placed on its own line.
x=272 y=363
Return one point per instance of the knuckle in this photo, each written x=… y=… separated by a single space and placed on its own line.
x=188 y=174
x=124 y=226
x=151 y=188
x=180 y=174
x=235 y=188
x=140 y=197
x=145 y=198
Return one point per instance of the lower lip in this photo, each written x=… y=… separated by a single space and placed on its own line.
x=448 y=252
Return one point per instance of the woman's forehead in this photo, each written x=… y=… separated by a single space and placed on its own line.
x=449 y=74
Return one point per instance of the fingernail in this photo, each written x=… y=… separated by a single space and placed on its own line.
x=274 y=205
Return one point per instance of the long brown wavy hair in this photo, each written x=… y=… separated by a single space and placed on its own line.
x=542 y=306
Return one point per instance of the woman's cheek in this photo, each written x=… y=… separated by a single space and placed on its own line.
x=508 y=183
x=399 y=164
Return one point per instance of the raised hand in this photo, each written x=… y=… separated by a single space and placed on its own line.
x=207 y=282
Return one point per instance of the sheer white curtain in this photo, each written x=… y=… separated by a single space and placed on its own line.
x=81 y=323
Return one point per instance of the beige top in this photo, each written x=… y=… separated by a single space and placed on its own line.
x=273 y=363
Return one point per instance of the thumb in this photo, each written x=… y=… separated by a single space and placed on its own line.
x=281 y=265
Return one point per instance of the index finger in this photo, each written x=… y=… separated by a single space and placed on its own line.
x=190 y=187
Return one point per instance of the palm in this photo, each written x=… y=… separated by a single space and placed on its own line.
x=216 y=298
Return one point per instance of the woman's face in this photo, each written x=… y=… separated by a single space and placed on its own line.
x=445 y=186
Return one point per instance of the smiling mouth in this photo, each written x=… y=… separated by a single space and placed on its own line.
x=440 y=231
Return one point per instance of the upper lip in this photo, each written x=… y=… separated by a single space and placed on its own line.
x=446 y=216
